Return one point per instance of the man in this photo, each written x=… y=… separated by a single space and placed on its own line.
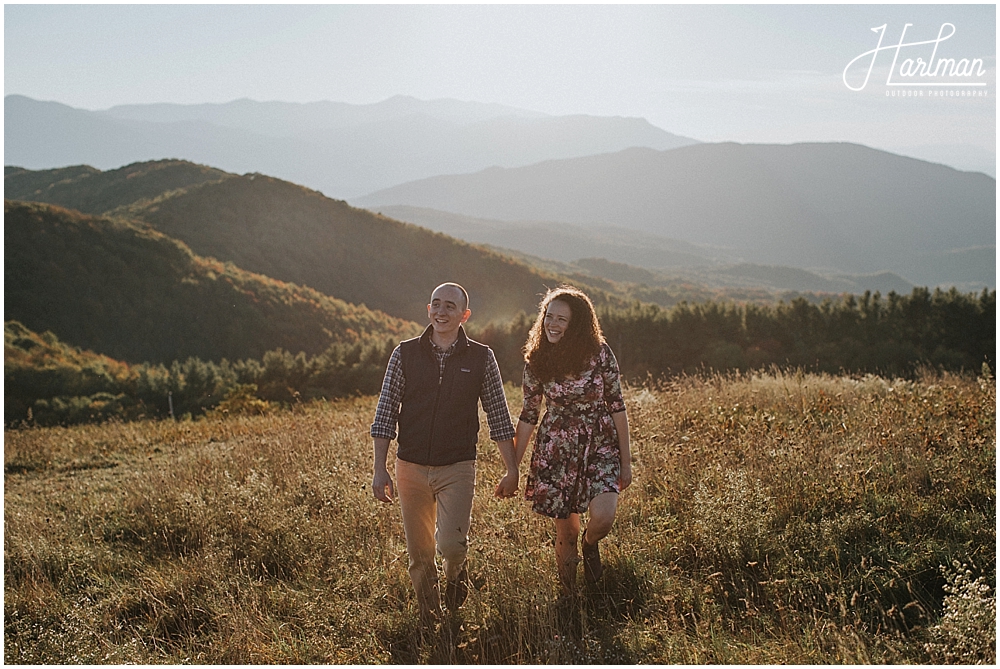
x=432 y=389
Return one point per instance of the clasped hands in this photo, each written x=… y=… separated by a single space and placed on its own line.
x=507 y=487
x=384 y=490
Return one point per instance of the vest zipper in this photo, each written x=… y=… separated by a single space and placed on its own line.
x=437 y=398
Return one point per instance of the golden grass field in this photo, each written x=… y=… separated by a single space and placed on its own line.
x=774 y=518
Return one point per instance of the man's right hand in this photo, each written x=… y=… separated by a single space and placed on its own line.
x=382 y=485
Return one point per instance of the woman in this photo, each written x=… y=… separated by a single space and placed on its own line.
x=581 y=458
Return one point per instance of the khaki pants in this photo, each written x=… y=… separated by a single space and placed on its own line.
x=428 y=497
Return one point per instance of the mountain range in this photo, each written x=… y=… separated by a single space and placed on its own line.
x=340 y=149
x=163 y=260
x=839 y=208
x=630 y=193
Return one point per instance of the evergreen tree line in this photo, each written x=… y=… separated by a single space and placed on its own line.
x=892 y=335
x=47 y=382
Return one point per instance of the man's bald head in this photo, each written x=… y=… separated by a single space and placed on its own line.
x=461 y=295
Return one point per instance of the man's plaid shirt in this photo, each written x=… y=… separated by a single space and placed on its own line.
x=491 y=395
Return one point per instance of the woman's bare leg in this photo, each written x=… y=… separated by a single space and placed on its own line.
x=602 y=517
x=567 y=557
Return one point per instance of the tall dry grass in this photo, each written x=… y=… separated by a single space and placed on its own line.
x=774 y=518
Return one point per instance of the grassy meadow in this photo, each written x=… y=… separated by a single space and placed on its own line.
x=774 y=517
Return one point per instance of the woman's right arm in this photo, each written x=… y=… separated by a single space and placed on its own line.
x=522 y=435
x=530 y=408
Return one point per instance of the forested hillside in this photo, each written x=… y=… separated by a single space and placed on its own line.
x=134 y=294
x=890 y=335
x=893 y=335
x=92 y=191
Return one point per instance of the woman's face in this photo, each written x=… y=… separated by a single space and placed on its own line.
x=557 y=318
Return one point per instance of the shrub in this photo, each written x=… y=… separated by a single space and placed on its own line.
x=967 y=632
x=241 y=399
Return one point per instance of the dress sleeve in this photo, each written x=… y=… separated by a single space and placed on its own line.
x=532 y=388
x=612 y=381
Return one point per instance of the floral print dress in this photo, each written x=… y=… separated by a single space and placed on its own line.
x=576 y=455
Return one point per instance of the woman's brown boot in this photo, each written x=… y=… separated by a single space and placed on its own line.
x=592 y=567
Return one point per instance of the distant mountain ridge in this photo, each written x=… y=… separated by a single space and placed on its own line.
x=285 y=119
x=837 y=207
x=342 y=150
x=564 y=241
x=624 y=255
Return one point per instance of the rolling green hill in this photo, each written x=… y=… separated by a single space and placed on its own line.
x=92 y=191
x=132 y=293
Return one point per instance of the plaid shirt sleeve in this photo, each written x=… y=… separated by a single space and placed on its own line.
x=495 y=402
x=387 y=411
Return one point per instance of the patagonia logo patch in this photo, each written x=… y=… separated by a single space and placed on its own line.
x=465 y=370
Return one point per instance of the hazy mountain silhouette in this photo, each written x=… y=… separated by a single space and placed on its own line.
x=564 y=241
x=631 y=256
x=966 y=157
x=288 y=232
x=339 y=149
x=292 y=240
x=284 y=119
x=838 y=207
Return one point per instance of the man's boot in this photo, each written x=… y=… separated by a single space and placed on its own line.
x=456 y=593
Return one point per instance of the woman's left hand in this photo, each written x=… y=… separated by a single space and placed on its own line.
x=625 y=478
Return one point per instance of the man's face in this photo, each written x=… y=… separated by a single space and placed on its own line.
x=447 y=310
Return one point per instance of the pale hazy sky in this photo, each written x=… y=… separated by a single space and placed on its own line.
x=746 y=73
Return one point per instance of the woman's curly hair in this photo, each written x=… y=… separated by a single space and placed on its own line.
x=581 y=341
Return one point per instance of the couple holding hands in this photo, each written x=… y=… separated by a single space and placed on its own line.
x=581 y=459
